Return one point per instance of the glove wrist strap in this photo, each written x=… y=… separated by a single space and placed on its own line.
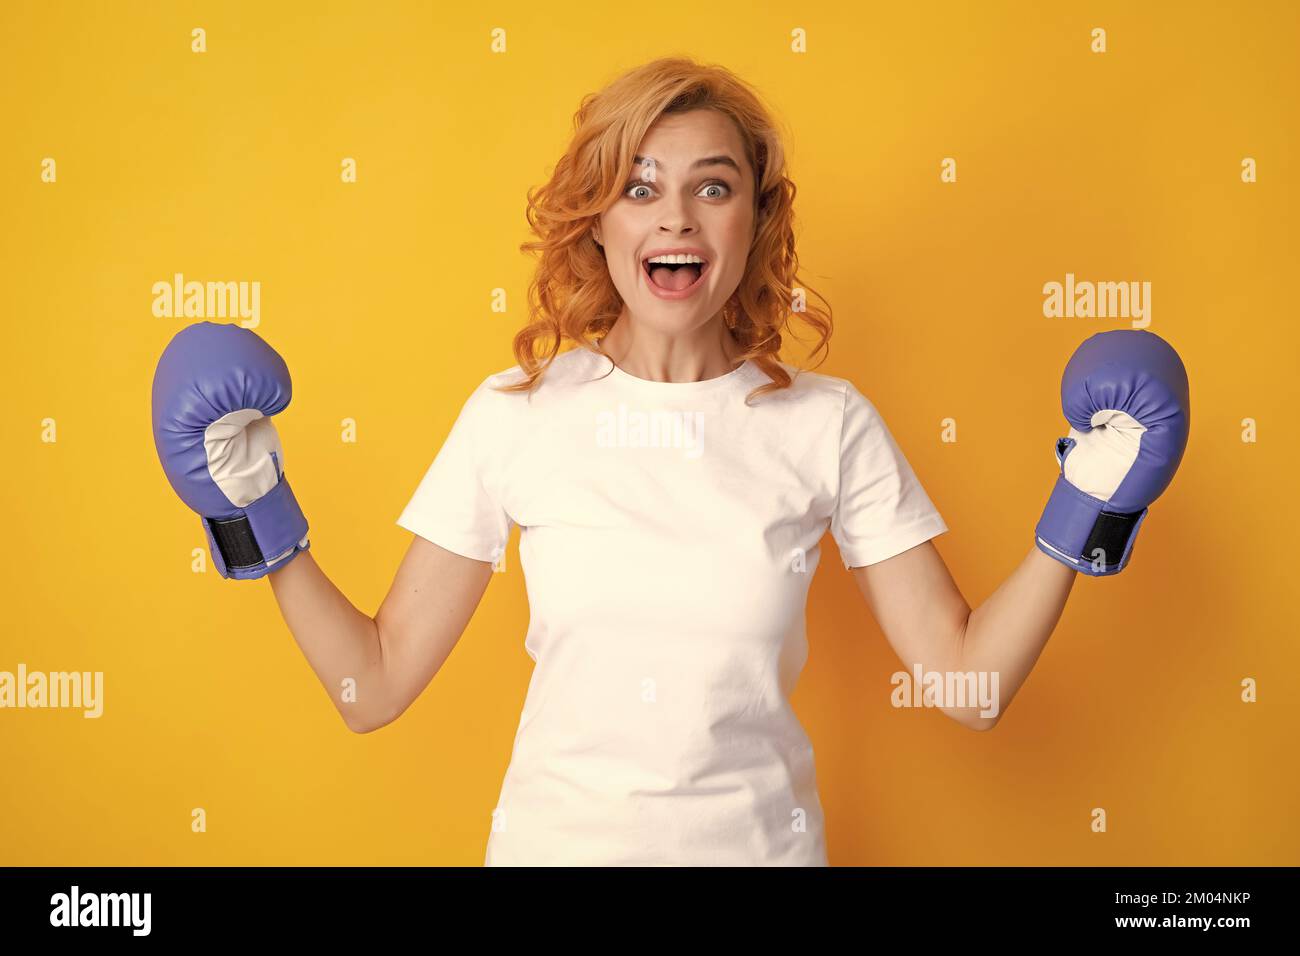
x=1080 y=531
x=267 y=532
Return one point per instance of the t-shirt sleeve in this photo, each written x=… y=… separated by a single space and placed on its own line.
x=453 y=506
x=881 y=509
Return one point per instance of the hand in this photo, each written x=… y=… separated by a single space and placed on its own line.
x=213 y=391
x=1125 y=395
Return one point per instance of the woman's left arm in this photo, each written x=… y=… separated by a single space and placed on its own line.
x=928 y=623
x=1126 y=397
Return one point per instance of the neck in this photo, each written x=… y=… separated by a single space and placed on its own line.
x=707 y=352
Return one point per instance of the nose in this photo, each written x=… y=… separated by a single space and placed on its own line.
x=669 y=227
x=677 y=218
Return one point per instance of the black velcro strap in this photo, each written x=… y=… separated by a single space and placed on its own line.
x=1111 y=534
x=235 y=539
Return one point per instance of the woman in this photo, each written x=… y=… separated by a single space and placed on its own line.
x=672 y=479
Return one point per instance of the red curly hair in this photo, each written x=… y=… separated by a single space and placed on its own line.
x=572 y=296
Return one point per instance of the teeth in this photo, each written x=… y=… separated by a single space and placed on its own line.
x=678 y=259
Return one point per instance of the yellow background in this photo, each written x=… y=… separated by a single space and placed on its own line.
x=224 y=166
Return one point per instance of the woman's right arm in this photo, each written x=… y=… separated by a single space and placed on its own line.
x=391 y=657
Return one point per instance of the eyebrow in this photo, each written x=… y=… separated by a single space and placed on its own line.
x=707 y=161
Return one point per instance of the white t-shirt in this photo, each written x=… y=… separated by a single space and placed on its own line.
x=668 y=536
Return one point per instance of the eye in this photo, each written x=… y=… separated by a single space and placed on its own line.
x=641 y=184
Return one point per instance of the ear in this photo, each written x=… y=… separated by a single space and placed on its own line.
x=595 y=234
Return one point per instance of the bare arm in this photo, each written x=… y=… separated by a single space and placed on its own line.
x=391 y=657
x=927 y=621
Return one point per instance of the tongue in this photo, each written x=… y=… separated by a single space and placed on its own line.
x=674 y=280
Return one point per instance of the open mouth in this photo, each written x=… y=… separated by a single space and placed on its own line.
x=672 y=276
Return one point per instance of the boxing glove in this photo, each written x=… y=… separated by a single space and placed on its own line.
x=1125 y=395
x=214 y=391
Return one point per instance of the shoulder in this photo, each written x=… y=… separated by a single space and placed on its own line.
x=572 y=367
x=836 y=407
x=830 y=394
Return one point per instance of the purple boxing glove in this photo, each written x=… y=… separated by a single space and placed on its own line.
x=213 y=392
x=1126 y=398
